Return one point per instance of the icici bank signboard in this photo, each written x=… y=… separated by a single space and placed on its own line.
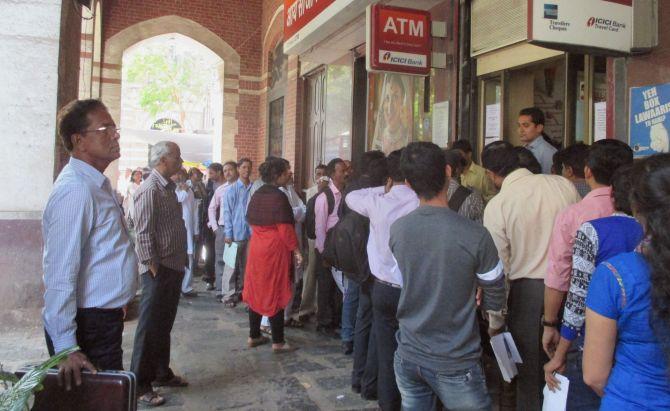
x=398 y=40
x=578 y=24
x=297 y=13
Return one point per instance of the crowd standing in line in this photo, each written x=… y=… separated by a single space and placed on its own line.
x=413 y=259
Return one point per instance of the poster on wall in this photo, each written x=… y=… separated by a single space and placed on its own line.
x=393 y=120
x=650 y=119
x=441 y=123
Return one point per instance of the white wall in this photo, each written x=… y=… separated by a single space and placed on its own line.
x=29 y=46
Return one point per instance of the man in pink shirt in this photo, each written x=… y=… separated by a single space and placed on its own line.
x=604 y=158
x=215 y=214
x=324 y=219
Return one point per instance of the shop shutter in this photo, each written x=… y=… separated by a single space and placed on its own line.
x=497 y=23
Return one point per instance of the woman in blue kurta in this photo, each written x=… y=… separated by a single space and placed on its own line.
x=627 y=317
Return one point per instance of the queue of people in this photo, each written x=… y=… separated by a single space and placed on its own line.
x=407 y=258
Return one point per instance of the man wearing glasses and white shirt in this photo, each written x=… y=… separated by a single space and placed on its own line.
x=90 y=268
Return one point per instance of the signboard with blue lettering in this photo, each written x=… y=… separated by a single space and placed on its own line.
x=650 y=119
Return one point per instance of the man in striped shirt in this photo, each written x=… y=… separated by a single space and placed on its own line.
x=161 y=249
x=90 y=269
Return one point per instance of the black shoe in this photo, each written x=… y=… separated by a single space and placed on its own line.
x=369 y=396
x=347 y=347
x=190 y=294
x=356 y=389
x=327 y=331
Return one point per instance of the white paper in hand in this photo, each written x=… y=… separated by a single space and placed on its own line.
x=558 y=400
x=507 y=355
x=230 y=254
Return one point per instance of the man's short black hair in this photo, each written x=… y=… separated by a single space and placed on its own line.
x=245 y=160
x=424 y=167
x=557 y=162
x=230 y=163
x=527 y=160
x=622 y=186
x=500 y=158
x=368 y=160
x=330 y=168
x=216 y=167
x=393 y=166
x=455 y=159
x=463 y=145
x=575 y=156
x=376 y=169
x=535 y=113
x=73 y=119
x=605 y=157
x=321 y=166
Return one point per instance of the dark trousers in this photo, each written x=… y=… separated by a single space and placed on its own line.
x=384 y=306
x=99 y=335
x=210 y=259
x=364 y=374
x=325 y=294
x=240 y=267
x=525 y=306
x=158 y=309
x=276 y=325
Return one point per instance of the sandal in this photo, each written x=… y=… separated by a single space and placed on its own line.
x=293 y=323
x=285 y=348
x=255 y=342
x=266 y=329
x=175 y=381
x=229 y=303
x=151 y=399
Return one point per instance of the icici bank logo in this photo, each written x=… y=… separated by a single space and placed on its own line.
x=387 y=56
x=591 y=22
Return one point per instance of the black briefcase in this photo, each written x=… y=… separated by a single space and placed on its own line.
x=103 y=391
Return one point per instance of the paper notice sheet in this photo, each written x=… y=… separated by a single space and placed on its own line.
x=507 y=355
x=558 y=400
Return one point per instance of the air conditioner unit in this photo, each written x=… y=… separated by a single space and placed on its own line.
x=645 y=25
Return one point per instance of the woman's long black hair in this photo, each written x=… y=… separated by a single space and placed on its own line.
x=651 y=203
x=272 y=168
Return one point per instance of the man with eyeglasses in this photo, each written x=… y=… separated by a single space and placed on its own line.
x=90 y=269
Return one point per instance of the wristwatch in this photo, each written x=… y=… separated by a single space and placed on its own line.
x=549 y=323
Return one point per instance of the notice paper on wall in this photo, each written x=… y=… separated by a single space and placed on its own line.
x=556 y=400
x=599 y=121
x=230 y=254
x=441 y=123
x=492 y=121
x=507 y=355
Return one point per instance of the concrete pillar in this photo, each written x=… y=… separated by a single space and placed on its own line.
x=39 y=67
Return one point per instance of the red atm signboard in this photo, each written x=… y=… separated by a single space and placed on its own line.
x=398 y=40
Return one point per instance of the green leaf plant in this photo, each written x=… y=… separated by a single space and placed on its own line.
x=17 y=396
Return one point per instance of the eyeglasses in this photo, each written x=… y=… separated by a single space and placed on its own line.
x=106 y=129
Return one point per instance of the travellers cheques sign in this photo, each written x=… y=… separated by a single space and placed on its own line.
x=605 y=25
x=398 y=40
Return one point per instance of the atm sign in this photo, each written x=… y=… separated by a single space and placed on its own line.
x=398 y=40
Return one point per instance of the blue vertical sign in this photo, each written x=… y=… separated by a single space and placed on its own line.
x=650 y=119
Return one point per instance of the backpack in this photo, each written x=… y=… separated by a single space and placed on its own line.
x=309 y=224
x=345 y=247
x=458 y=198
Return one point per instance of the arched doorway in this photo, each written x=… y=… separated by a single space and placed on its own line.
x=116 y=45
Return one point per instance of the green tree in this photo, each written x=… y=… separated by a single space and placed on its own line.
x=169 y=82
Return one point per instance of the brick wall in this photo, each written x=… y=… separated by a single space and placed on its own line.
x=236 y=22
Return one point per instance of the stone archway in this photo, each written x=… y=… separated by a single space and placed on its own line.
x=110 y=92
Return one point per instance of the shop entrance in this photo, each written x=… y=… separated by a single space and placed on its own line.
x=571 y=90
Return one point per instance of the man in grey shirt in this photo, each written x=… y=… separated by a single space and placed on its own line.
x=443 y=258
x=531 y=134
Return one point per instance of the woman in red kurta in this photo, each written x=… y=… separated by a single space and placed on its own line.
x=267 y=280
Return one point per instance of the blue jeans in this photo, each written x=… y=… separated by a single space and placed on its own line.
x=457 y=390
x=580 y=396
x=349 y=308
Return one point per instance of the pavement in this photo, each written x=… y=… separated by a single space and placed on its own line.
x=209 y=349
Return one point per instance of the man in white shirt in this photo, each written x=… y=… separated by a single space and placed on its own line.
x=186 y=199
x=224 y=288
x=383 y=206
x=90 y=269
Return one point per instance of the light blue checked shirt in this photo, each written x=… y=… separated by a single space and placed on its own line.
x=88 y=258
x=235 y=211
